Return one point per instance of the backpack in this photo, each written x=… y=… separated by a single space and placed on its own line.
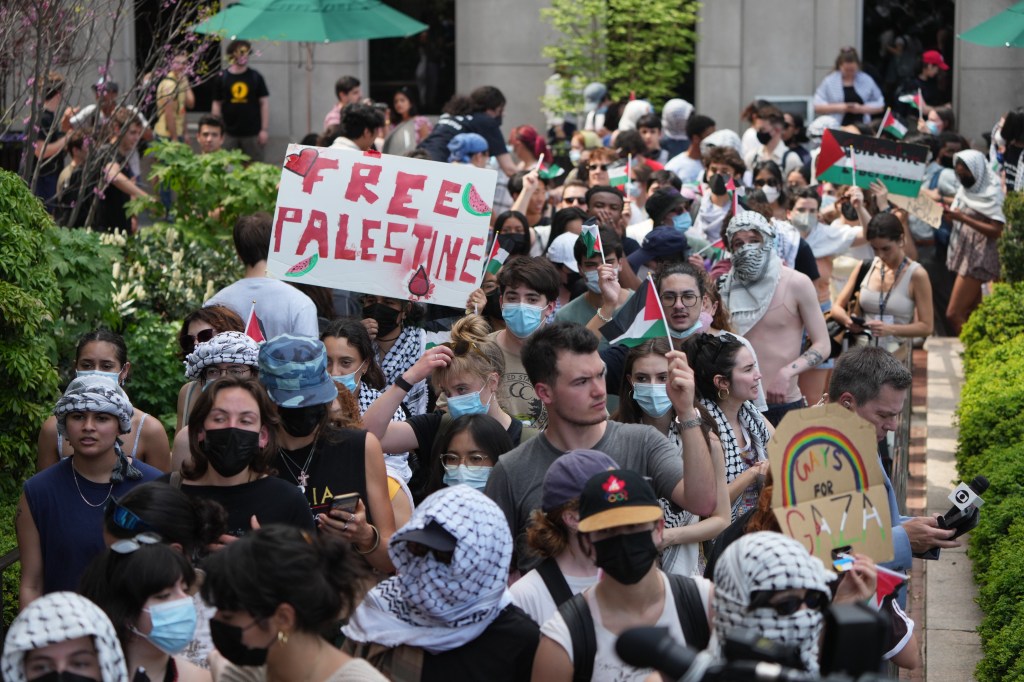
x=576 y=612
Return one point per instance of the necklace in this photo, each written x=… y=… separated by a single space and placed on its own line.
x=302 y=477
x=79 y=488
x=883 y=297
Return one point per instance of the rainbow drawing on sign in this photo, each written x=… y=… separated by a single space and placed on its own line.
x=821 y=444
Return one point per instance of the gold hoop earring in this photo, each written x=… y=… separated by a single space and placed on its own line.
x=282 y=637
x=723 y=393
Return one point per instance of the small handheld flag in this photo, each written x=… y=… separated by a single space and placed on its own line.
x=890 y=124
x=641 y=318
x=591 y=236
x=496 y=259
x=254 y=326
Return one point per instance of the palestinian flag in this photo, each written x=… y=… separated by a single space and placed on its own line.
x=888 y=582
x=591 y=236
x=497 y=258
x=892 y=125
x=619 y=176
x=914 y=99
x=254 y=326
x=551 y=172
x=730 y=187
x=639 y=320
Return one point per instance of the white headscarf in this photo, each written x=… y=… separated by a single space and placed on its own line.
x=227 y=347
x=632 y=112
x=438 y=606
x=748 y=288
x=58 y=617
x=93 y=393
x=985 y=196
x=674 y=116
x=770 y=562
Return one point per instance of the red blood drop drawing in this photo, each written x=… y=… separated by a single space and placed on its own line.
x=301 y=163
x=419 y=285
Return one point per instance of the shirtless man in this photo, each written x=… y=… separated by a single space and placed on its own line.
x=771 y=306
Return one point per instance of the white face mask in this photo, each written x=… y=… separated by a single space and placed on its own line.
x=770 y=193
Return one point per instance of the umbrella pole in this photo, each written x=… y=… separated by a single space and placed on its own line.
x=309 y=87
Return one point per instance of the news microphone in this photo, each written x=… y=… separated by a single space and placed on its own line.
x=964 y=515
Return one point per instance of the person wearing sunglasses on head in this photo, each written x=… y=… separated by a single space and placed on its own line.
x=199 y=327
x=59 y=521
x=104 y=354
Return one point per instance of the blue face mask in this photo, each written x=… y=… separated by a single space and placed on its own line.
x=652 y=399
x=593 y=281
x=522 y=319
x=474 y=477
x=575 y=155
x=682 y=222
x=686 y=333
x=349 y=380
x=174 y=624
x=113 y=376
x=469 y=403
x=932 y=126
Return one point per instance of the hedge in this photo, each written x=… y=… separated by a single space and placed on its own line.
x=991 y=442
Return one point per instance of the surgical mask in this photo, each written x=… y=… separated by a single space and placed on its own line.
x=493 y=306
x=474 y=477
x=228 y=641
x=349 y=380
x=522 y=319
x=848 y=210
x=932 y=127
x=593 y=281
x=386 y=317
x=652 y=399
x=174 y=624
x=771 y=194
x=634 y=189
x=683 y=221
x=827 y=200
x=302 y=421
x=717 y=184
x=626 y=558
x=575 y=155
x=230 y=450
x=687 y=333
x=750 y=261
x=113 y=376
x=468 y=403
x=803 y=221
x=764 y=136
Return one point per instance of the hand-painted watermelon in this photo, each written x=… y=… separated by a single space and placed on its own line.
x=473 y=203
x=303 y=266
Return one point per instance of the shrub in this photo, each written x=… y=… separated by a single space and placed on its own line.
x=1002 y=629
x=999 y=318
x=12 y=576
x=1011 y=243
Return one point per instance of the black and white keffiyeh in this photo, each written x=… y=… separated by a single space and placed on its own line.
x=438 y=606
x=94 y=393
x=757 y=433
x=408 y=348
x=58 y=617
x=227 y=347
x=772 y=562
x=748 y=288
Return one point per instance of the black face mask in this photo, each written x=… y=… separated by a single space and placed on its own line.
x=492 y=308
x=515 y=244
x=764 y=136
x=626 y=558
x=228 y=641
x=302 y=421
x=848 y=211
x=66 y=676
x=717 y=184
x=386 y=317
x=230 y=450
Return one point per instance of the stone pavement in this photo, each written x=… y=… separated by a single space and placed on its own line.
x=942 y=593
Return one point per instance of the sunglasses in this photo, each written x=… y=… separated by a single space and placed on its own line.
x=125 y=518
x=418 y=550
x=132 y=544
x=771 y=182
x=599 y=166
x=814 y=600
x=582 y=201
x=463 y=347
x=189 y=343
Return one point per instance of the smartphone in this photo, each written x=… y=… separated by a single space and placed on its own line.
x=346 y=503
x=858 y=320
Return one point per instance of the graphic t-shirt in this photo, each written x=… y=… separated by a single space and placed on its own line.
x=239 y=96
x=335 y=467
x=515 y=392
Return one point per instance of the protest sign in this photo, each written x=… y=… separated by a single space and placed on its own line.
x=378 y=224
x=829 y=489
x=922 y=206
x=848 y=159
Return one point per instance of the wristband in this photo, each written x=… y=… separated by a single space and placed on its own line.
x=402 y=383
x=376 y=541
x=689 y=423
x=603 y=318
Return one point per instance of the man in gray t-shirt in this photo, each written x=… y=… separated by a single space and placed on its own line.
x=568 y=375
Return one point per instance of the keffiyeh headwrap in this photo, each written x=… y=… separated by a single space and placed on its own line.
x=438 y=606
x=227 y=347
x=748 y=288
x=632 y=112
x=770 y=562
x=58 y=617
x=94 y=393
x=986 y=195
x=674 y=116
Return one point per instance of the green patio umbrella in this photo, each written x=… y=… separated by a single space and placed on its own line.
x=311 y=22
x=1005 y=29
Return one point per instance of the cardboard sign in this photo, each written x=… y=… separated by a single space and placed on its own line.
x=899 y=165
x=922 y=206
x=829 y=489
x=377 y=224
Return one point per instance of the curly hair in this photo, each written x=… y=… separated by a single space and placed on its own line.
x=547 y=535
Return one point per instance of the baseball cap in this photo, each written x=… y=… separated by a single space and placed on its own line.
x=432 y=535
x=934 y=57
x=619 y=497
x=721 y=138
x=568 y=474
x=294 y=371
x=560 y=251
x=661 y=242
x=593 y=95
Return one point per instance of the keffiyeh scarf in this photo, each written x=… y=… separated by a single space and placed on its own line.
x=985 y=196
x=227 y=347
x=735 y=460
x=96 y=394
x=58 y=617
x=408 y=348
x=438 y=606
x=771 y=562
x=748 y=288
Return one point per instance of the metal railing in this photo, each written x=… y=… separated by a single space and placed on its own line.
x=900 y=451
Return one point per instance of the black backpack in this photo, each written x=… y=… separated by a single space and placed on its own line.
x=576 y=612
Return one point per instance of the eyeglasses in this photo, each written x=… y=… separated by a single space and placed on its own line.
x=450 y=461
x=129 y=545
x=598 y=166
x=418 y=550
x=771 y=182
x=789 y=605
x=214 y=373
x=125 y=518
x=189 y=343
x=669 y=298
x=582 y=201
